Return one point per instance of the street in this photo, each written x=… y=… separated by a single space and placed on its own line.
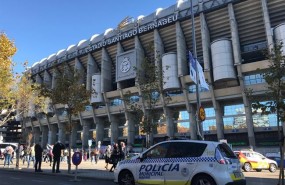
x=89 y=173
x=30 y=178
x=26 y=178
x=261 y=178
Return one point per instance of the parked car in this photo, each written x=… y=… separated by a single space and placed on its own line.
x=251 y=160
x=276 y=157
x=182 y=162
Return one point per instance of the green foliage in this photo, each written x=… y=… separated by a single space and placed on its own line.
x=69 y=91
x=274 y=76
x=150 y=83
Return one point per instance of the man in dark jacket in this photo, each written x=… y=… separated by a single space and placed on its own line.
x=56 y=156
x=38 y=156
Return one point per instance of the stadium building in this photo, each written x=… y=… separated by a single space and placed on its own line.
x=231 y=37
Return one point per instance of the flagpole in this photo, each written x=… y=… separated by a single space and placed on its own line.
x=199 y=126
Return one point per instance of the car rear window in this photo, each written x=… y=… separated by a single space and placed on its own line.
x=226 y=151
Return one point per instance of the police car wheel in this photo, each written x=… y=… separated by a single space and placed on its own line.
x=203 y=180
x=126 y=178
x=247 y=167
x=272 y=168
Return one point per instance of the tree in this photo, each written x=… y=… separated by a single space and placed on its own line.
x=150 y=84
x=71 y=92
x=7 y=81
x=274 y=76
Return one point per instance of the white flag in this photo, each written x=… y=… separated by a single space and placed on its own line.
x=202 y=80
x=192 y=64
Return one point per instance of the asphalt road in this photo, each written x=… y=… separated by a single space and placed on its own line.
x=24 y=178
x=11 y=177
x=261 y=178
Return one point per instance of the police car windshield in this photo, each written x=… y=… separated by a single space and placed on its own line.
x=226 y=151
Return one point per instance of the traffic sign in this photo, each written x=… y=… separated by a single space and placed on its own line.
x=76 y=158
x=89 y=142
x=202 y=114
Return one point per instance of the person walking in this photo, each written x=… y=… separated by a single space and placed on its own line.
x=97 y=154
x=49 y=153
x=8 y=154
x=107 y=155
x=31 y=155
x=38 y=156
x=115 y=156
x=56 y=151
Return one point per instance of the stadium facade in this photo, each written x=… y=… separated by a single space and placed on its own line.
x=231 y=37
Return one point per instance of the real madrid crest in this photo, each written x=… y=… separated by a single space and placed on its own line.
x=125 y=65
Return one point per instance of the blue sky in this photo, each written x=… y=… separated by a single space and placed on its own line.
x=40 y=28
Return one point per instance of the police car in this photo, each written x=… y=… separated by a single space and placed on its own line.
x=182 y=162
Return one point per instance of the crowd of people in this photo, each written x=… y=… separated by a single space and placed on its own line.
x=35 y=154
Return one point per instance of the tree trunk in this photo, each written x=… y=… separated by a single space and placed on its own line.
x=69 y=146
x=69 y=153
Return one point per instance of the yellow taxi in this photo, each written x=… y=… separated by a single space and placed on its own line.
x=251 y=160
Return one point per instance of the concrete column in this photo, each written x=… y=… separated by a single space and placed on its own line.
x=181 y=51
x=62 y=132
x=39 y=79
x=158 y=48
x=193 y=122
x=219 y=121
x=169 y=122
x=53 y=80
x=74 y=130
x=119 y=51
x=99 y=130
x=140 y=54
x=85 y=135
x=91 y=69
x=47 y=79
x=44 y=136
x=182 y=68
x=131 y=129
x=237 y=61
x=114 y=129
x=52 y=134
x=79 y=67
x=106 y=71
x=267 y=24
x=37 y=134
x=205 y=34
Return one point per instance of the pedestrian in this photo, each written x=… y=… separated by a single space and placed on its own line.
x=122 y=150
x=115 y=156
x=38 y=156
x=85 y=155
x=92 y=154
x=49 y=153
x=97 y=155
x=8 y=154
x=107 y=155
x=56 y=151
x=31 y=155
x=25 y=155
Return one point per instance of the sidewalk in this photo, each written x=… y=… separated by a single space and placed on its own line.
x=85 y=170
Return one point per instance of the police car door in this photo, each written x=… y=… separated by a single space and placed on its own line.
x=182 y=161
x=150 y=170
